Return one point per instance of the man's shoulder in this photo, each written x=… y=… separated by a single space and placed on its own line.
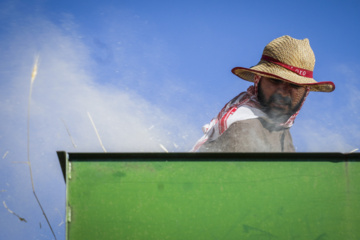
x=251 y=136
x=240 y=136
x=247 y=123
x=255 y=128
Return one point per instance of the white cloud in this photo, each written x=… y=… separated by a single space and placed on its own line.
x=66 y=88
x=329 y=121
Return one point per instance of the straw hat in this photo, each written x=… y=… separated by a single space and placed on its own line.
x=287 y=59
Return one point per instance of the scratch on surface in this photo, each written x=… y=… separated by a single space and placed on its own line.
x=33 y=76
x=20 y=218
x=3 y=190
x=163 y=148
x=96 y=131
x=35 y=69
x=237 y=222
x=62 y=220
x=71 y=138
x=248 y=228
x=355 y=150
x=321 y=237
x=5 y=154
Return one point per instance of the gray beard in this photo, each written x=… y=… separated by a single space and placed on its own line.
x=276 y=115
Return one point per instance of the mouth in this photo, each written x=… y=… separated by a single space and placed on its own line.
x=279 y=106
x=278 y=112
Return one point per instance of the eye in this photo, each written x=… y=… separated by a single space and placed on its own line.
x=295 y=86
x=275 y=81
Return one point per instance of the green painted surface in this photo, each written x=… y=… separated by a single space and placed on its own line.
x=214 y=200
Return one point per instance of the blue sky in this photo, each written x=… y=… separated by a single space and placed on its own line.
x=150 y=73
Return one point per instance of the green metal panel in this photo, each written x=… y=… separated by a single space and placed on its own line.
x=213 y=196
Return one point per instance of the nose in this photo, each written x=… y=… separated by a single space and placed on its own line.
x=284 y=89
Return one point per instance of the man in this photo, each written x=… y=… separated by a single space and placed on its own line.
x=259 y=119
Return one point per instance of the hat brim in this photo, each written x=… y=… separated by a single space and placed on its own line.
x=267 y=69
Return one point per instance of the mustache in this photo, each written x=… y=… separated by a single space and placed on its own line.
x=278 y=99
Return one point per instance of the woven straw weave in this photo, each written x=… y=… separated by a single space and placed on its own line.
x=290 y=51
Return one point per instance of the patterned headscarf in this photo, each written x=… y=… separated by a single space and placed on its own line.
x=242 y=107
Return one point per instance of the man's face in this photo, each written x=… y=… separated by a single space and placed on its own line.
x=280 y=99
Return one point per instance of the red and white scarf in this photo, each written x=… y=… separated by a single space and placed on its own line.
x=242 y=107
